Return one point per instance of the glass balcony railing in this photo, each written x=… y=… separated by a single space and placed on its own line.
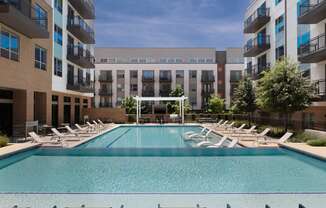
x=258 y=19
x=314 y=51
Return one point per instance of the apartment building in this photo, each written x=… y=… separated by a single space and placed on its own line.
x=288 y=28
x=73 y=59
x=154 y=72
x=25 y=63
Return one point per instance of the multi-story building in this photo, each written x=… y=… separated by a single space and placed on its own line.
x=25 y=63
x=153 y=72
x=73 y=59
x=288 y=28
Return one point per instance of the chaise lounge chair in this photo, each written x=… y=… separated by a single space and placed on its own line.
x=208 y=143
x=256 y=137
x=234 y=130
x=198 y=137
x=65 y=137
x=283 y=139
x=202 y=132
x=76 y=133
x=37 y=139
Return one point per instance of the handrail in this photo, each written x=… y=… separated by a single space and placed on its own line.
x=314 y=45
x=78 y=50
x=260 y=12
x=78 y=21
x=307 y=6
x=260 y=40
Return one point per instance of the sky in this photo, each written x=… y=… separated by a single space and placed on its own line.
x=170 y=23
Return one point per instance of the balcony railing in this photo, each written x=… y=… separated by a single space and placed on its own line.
x=80 y=84
x=166 y=78
x=314 y=51
x=148 y=79
x=84 y=7
x=79 y=28
x=25 y=18
x=80 y=56
x=257 y=45
x=105 y=78
x=105 y=92
x=320 y=90
x=312 y=11
x=257 y=20
x=207 y=78
x=255 y=71
x=207 y=92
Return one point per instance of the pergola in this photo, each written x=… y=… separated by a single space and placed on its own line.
x=181 y=101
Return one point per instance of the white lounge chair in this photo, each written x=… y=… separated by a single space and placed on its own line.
x=283 y=139
x=81 y=129
x=37 y=139
x=198 y=137
x=192 y=132
x=92 y=127
x=76 y=133
x=244 y=132
x=234 y=130
x=64 y=136
x=256 y=137
x=208 y=143
x=233 y=143
x=248 y=131
x=100 y=122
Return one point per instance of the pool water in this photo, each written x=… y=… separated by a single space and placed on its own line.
x=185 y=171
x=143 y=137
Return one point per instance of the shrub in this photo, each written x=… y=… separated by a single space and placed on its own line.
x=302 y=137
x=3 y=140
x=317 y=142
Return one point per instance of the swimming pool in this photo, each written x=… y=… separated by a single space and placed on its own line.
x=145 y=137
x=162 y=171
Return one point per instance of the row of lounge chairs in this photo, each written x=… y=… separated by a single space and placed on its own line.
x=72 y=135
x=223 y=128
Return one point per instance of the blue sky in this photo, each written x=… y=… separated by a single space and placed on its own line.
x=169 y=23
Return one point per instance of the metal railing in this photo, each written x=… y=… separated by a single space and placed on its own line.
x=207 y=78
x=260 y=12
x=309 y=5
x=79 y=83
x=105 y=78
x=255 y=71
x=314 y=45
x=105 y=92
x=262 y=40
x=29 y=10
x=320 y=89
x=79 y=51
x=74 y=21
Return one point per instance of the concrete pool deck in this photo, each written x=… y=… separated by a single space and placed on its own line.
x=319 y=152
x=16 y=148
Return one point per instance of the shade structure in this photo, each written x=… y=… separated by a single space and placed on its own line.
x=181 y=101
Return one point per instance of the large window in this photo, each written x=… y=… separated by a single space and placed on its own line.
x=280 y=37
x=40 y=58
x=9 y=46
x=57 y=67
x=58 y=5
x=57 y=34
x=40 y=16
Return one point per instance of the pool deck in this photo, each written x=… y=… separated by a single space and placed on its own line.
x=319 y=152
x=15 y=148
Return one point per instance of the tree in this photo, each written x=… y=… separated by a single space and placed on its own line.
x=173 y=107
x=244 y=99
x=215 y=105
x=283 y=90
x=129 y=103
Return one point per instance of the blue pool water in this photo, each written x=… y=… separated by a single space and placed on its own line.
x=143 y=137
x=162 y=171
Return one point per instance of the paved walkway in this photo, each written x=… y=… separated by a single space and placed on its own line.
x=319 y=152
x=14 y=148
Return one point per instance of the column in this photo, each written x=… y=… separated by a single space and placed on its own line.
x=157 y=83
x=186 y=83
x=114 y=90
x=140 y=82
x=174 y=80
x=199 y=88
x=127 y=83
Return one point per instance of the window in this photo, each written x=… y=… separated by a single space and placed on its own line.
x=193 y=74
x=277 y=2
x=40 y=16
x=178 y=61
x=134 y=74
x=279 y=52
x=180 y=74
x=9 y=46
x=58 y=5
x=57 y=34
x=134 y=87
x=104 y=60
x=40 y=58
x=235 y=76
x=121 y=74
x=57 y=67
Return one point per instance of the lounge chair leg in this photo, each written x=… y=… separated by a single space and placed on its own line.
x=228 y=206
x=266 y=206
x=301 y=206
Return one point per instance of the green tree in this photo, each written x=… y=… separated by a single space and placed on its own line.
x=129 y=103
x=283 y=90
x=173 y=107
x=244 y=99
x=215 y=105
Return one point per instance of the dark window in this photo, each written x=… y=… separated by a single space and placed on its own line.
x=9 y=46
x=58 y=5
x=57 y=67
x=55 y=98
x=77 y=100
x=279 y=52
x=134 y=74
x=57 y=35
x=40 y=58
x=180 y=74
x=40 y=16
x=193 y=74
x=67 y=99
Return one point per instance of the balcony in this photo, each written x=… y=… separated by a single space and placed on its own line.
x=257 y=46
x=24 y=18
x=312 y=12
x=166 y=78
x=257 y=20
x=78 y=55
x=148 y=93
x=148 y=79
x=80 y=85
x=314 y=51
x=105 y=92
x=105 y=78
x=80 y=29
x=320 y=90
x=84 y=7
x=255 y=71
